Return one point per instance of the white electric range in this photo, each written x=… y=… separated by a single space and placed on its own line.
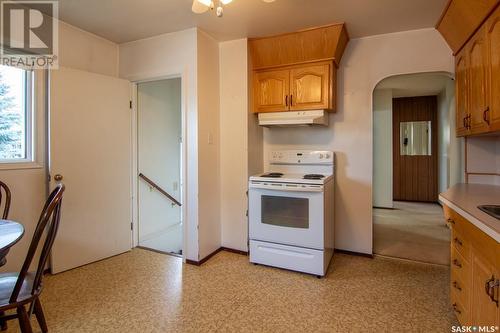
x=291 y=213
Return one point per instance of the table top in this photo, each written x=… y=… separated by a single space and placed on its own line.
x=10 y=233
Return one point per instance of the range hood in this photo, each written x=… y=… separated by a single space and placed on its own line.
x=294 y=118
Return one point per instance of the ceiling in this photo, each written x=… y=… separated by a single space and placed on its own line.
x=127 y=20
x=412 y=85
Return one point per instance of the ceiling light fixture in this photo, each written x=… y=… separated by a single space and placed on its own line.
x=201 y=6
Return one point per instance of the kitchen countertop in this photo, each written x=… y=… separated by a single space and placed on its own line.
x=464 y=199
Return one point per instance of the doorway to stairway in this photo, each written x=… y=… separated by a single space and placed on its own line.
x=159 y=165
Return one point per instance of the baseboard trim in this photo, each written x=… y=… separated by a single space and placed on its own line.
x=352 y=253
x=204 y=260
x=228 y=249
x=389 y=208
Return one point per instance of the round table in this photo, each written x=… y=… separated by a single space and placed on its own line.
x=10 y=233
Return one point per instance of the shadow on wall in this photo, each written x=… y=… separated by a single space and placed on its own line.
x=450 y=165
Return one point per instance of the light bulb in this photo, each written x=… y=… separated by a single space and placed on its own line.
x=225 y=2
x=220 y=11
x=205 y=2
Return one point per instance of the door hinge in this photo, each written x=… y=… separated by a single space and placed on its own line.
x=130 y=104
x=131 y=225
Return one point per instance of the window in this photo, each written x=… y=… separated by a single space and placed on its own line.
x=16 y=115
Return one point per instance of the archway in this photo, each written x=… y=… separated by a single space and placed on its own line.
x=415 y=156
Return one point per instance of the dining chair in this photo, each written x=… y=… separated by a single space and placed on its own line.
x=18 y=290
x=6 y=206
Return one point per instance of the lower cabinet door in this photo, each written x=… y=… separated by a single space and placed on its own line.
x=484 y=309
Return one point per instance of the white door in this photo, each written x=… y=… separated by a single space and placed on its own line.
x=90 y=147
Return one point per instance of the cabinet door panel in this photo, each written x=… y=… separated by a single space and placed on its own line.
x=310 y=87
x=493 y=37
x=478 y=87
x=271 y=89
x=461 y=92
x=483 y=310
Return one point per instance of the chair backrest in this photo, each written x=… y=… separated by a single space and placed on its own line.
x=49 y=220
x=6 y=204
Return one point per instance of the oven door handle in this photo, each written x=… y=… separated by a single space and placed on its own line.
x=287 y=188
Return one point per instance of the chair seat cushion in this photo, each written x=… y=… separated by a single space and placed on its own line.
x=7 y=283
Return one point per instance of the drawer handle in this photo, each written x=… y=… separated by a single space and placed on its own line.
x=451 y=221
x=455 y=308
x=456 y=286
x=457 y=263
x=486 y=114
x=490 y=287
x=458 y=241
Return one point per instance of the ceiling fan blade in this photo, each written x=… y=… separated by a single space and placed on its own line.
x=199 y=7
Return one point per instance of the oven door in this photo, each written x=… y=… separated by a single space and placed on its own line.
x=291 y=214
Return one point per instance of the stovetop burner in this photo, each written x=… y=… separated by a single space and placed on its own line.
x=273 y=175
x=314 y=176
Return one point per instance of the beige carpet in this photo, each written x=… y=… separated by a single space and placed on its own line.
x=415 y=231
x=143 y=292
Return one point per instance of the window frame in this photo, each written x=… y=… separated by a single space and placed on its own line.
x=31 y=155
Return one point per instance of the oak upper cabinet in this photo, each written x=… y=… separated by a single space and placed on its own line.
x=477 y=54
x=295 y=88
x=493 y=39
x=310 y=88
x=271 y=90
x=296 y=71
x=461 y=95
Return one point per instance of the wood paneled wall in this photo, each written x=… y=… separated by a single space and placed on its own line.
x=415 y=178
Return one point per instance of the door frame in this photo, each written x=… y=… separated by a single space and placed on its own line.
x=135 y=167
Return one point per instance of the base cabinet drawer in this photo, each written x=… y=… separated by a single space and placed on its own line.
x=460 y=243
x=460 y=310
x=460 y=285
x=475 y=273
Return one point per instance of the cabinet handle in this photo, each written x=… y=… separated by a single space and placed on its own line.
x=486 y=115
x=451 y=221
x=286 y=100
x=457 y=263
x=291 y=100
x=458 y=241
x=456 y=286
x=490 y=287
x=469 y=122
x=455 y=308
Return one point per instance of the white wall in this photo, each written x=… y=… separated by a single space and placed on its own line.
x=234 y=143
x=163 y=56
x=450 y=157
x=365 y=63
x=382 y=150
x=80 y=50
x=483 y=160
x=208 y=145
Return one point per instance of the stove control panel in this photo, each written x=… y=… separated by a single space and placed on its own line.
x=301 y=157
